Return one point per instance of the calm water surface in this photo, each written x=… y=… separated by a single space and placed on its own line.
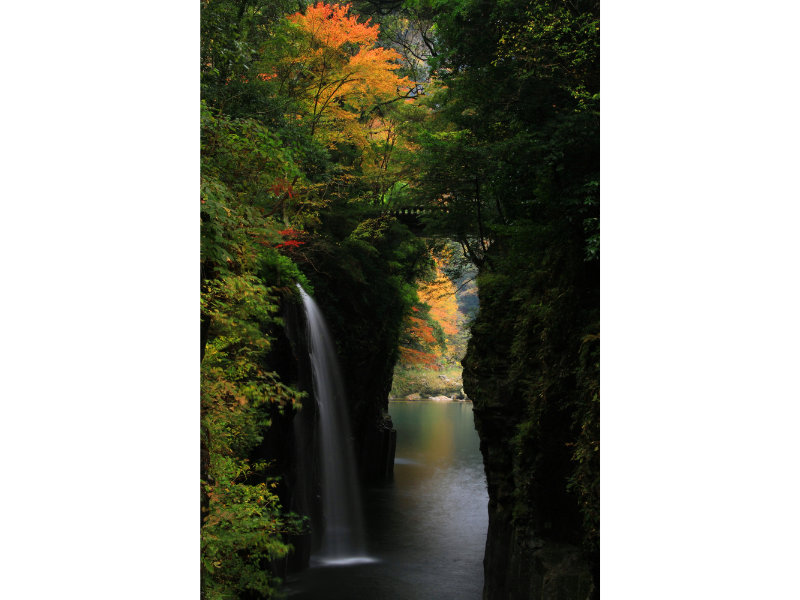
x=426 y=530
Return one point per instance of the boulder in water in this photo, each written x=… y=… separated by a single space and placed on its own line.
x=413 y=397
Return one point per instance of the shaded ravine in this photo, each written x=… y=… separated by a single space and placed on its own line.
x=426 y=530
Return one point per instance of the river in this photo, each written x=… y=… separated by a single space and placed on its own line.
x=426 y=530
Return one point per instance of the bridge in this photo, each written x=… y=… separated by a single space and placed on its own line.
x=410 y=215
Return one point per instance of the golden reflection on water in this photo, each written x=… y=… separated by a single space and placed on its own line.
x=439 y=441
x=440 y=435
x=430 y=428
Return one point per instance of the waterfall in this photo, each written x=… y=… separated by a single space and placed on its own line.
x=343 y=536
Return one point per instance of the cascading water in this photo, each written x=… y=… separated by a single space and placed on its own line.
x=343 y=538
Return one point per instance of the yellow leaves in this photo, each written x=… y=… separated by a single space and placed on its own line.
x=374 y=69
x=433 y=333
x=344 y=73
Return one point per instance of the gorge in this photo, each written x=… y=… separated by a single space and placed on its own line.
x=367 y=162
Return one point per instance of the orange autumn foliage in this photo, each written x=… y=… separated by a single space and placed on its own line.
x=438 y=307
x=331 y=25
x=409 y=356
x=421 y=331
x=345 y=73
x=440 y=295
x=419 y=346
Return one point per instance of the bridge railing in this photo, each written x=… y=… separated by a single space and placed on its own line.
x=414 y=210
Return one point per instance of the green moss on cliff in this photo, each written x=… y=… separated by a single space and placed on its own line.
x=532 y=372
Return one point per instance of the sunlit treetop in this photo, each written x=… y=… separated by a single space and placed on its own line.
x=344 y=56
x=332 y=27
x=341 y=72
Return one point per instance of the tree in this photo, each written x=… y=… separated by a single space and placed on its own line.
x=236 y=38
x=243 y=524
x=339 y=73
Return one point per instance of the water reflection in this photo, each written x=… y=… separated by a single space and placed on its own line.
x=427 y=529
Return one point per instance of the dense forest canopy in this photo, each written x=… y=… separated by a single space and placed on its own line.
x=320 y=123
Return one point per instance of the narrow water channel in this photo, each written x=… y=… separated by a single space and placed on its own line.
x=426 y=530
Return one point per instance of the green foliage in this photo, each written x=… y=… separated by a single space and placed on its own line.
x=282 y=270
x=238 y=41
x=243 y=535
x=515 y=127
x=245 y=170
x=245 y=195
x=585 y=478
x=243 y=527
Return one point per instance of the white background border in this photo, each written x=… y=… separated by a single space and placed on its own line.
x=100 y=243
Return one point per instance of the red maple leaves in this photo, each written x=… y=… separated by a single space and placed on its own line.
x=282 y=186
x=291 y=241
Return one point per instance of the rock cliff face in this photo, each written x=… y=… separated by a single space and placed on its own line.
x=518 y=563
x=363 y=286
x=365 y=345
x=362 y=275
x=531 y=372
x=292 y=444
